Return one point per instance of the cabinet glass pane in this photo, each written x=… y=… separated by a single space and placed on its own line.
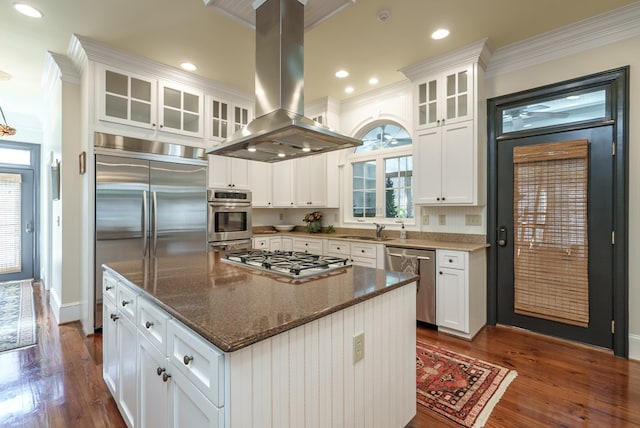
x=223 y=112
x=140 y=112
x=422 y=93
x=451 y=108
x=462 y=82
x=223 y=130
x=191 y=103
x=216 y=109
x=116 y=83
x=433 y=87
x=140 y=89
x=171 y=118
x=115 y=107
x=245 y=116
x=462 y=105
x=191 y=122
x=172 y=98
x=451 y=84
x=422 y=115
x=433 y=112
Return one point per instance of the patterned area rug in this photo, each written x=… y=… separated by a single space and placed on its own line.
x=463 y=389
x=17 y=315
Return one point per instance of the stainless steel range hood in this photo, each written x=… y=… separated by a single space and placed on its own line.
x=280 y=130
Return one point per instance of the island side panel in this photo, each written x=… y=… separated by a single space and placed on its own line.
x=307 y=374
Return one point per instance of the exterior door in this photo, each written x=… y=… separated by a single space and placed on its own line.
x=555 y=246
x=17 y=224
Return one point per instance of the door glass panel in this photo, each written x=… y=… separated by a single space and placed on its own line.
x=116 y=83
x=140 y=89
x=115 y=107
x=140 y=112
x=191 y=122
x=171 y=118
x=191 y=103
x=11 y=224
x=562 y=109
x=171 y=98
x=15 y=156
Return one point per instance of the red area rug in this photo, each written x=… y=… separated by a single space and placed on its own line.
x=463 y=389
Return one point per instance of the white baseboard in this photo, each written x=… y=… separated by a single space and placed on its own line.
x=634 y=347
x=63 y=313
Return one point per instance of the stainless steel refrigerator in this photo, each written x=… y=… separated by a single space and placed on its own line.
x=146 y=206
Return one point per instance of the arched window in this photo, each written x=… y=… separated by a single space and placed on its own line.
x=382 y=174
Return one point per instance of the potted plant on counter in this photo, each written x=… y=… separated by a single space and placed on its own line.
x=314 y=222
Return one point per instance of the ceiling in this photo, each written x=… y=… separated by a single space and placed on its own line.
x=172 y=31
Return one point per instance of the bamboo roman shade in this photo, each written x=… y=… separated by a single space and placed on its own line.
x=10 y=223
x=550 y=231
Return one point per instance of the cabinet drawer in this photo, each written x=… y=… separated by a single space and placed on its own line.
x=109 y=287
x=342 y=248
x=364 y=261
x=198 y=360
x=261 y=243
x=127 y=302
x=308 y=246
x=152 y=323
x=451 y=259
x=363 y=250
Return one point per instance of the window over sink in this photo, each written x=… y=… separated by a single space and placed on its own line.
x=382 y=174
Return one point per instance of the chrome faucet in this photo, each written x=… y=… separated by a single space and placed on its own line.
x=379 y=228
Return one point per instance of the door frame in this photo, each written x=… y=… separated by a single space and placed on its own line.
x=619 y=80
x=35 y=167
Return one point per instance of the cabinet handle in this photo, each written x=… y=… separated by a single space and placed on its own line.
x=161 y=126
x=108 y=287
x=160 y=370
x=443 y=198
x=443 y=121
x=362 y=251
x=148 y=324
x=438 y=121
x=153 y=125
x=450 y=260
x=291 y=203
x=268 y=203
x=438 y=198
x=440 y=272
x=114 y=317
x=125 y=303
x=338 y=248
x=187 y=359
x=165 y=377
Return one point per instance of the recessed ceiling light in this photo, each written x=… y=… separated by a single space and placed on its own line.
x=281 y=155
x=348 y=89
x=5 y=76
x=373 y=81
x=306 y=149
x=188 y=66
x=573 y=97
x=251 y=149
x=440 y=33
x=342 y=73
x=27 y=10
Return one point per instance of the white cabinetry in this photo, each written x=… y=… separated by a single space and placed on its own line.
x=260 y=184
x=273 y=243
x=154 y=388
x=308 y=245
x=282 y=184
x=181 y=109
x=228 y=173
x=360 y=253
x=461 y=292
x=311 y=181
x=449 y=121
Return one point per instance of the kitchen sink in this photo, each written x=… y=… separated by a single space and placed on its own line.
x=364 y=238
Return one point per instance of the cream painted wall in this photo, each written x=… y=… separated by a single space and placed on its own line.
x=589 y=62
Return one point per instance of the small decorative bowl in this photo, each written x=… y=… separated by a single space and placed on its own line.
x=284 y=227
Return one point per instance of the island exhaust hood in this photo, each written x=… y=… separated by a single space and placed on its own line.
x=280 y=130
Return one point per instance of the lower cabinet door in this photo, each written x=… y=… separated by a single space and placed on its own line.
x=189 y=407
x=154 y=385
x=110 y=346
x=127 y=362
x=451 y=299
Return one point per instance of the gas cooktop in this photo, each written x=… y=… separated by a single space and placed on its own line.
x=291 y=263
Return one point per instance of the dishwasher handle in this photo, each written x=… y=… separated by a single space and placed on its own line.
x=417 y=257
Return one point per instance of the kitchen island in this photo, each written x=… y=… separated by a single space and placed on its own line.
x=222 y=345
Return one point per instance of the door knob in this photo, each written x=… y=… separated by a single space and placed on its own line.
x=502 y=236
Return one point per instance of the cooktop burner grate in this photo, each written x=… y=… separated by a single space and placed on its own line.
x=292 y=263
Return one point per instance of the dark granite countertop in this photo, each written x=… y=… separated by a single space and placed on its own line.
x=233 y=307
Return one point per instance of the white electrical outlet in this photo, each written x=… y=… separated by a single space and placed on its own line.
x=425 y=219
x=473 y=220
x=335 y=217
x=358 y=347
x=442 y=219
x=281 y=216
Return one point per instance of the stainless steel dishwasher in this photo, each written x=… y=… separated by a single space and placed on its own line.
x=422 y=262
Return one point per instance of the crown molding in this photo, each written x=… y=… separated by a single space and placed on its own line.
x=620 y=24
x=393 y=90
x=58 y=66
x=479 y=52
x=83 y=49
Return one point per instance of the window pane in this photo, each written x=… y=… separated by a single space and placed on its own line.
x=399 y=187
x=10 y=226
x=364 y=189
x=15 y=156
x=561 y=109
x=384 y=137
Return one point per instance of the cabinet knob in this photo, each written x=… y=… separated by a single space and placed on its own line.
x=268 y=203
x=438 y=121
x=443 y=121
x=438 y=198
x=450 y=260
x=362 y=251
x=108 y=287
x=160 y=370
x=125 y=303
x=291 y=203
x=187 y=359
x=165 y=377
x=337 y=248
x=443 y=198
x=148 y=324
x=161 y=126
x=440 y=272
x=153 y=125
x=114 y=317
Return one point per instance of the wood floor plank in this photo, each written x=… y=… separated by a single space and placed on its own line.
x=58 y=383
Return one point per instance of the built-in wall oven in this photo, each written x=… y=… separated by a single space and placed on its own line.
x=229 y=219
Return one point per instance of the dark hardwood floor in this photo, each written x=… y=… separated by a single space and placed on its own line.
x=58 y=383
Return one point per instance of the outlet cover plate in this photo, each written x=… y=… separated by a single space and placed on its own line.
x=358 y=347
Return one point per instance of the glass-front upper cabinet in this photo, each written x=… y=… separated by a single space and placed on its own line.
x=126 y=98
x=181 y=109
x=241 y=117
x=445 y=98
